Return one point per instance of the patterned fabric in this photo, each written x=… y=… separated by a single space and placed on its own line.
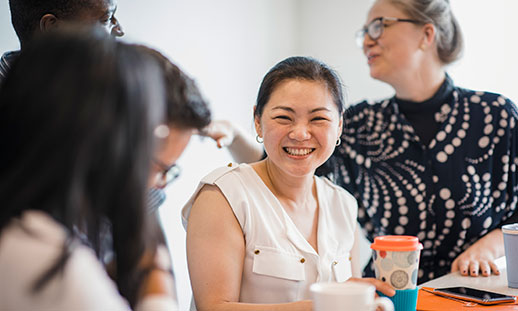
x=155 y=198
x=449 y=193
x=5 y=63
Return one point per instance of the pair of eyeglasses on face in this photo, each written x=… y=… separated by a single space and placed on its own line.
x=166 y=175
x=375 y=28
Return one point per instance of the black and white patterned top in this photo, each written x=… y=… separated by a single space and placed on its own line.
x=5 y=63
x=449 y=193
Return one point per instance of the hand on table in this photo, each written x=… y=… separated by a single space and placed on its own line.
x=480 y=257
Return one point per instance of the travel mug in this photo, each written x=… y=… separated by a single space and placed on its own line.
x=511 y=253
x=396 y=262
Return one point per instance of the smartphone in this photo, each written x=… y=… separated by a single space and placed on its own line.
x=475 y=295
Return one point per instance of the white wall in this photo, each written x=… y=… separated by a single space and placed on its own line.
x=8 y=39
x=490 y=61
x=327 y=31
x=228 y=45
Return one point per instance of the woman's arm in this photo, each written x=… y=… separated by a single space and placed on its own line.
x=481 y=255
x=242 y=146
x=215 y=255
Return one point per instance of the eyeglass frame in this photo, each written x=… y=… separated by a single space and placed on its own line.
x=167 y=173
x=365 y=30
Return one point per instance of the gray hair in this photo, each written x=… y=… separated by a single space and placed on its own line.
x=437 y=12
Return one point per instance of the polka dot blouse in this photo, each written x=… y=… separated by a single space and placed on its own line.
x=449 y=192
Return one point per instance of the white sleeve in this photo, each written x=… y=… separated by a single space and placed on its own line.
x=87 y=286
x=97 y=291
x=157 y=303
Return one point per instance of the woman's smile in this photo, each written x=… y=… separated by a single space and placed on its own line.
x=298 y=152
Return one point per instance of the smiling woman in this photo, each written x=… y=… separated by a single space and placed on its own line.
x=262 y=233
x=421 y=153
x=299 y=126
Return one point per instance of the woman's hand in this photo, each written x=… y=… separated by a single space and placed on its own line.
x=222 y=131
x=381 y=286
x=242 y=146
x=480 y=257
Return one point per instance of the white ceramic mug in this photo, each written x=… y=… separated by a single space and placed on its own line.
x=348 y=296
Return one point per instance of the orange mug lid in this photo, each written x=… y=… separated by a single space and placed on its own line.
x=396 y=243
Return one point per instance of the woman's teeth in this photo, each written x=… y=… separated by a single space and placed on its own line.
x=298 y=151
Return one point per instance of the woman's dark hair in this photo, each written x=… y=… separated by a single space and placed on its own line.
x=185 y=106
x=448 y=36
x=77 y=114
x=303 y=68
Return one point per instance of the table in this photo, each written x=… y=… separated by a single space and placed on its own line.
x=493 y=283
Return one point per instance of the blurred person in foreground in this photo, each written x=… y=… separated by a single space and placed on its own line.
x=79 y=120
x=187 y=113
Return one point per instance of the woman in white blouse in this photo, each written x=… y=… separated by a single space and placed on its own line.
x=77 y=116
x=259 y=235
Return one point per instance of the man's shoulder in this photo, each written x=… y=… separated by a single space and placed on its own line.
x=5 y=62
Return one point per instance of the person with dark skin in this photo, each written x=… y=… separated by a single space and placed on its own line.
x=32 y=17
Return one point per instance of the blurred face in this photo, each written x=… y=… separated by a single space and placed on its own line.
x=300 y=125
x=396 y=53
x=169 y=152
x=102 y=13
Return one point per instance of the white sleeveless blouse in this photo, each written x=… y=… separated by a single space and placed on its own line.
x=280 y=264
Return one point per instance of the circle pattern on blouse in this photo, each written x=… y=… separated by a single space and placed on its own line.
x=448 y=193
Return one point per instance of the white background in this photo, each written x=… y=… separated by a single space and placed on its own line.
x=228 y=45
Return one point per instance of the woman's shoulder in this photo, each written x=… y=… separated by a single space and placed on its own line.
x=496 y=101
x=367 y=104
x=30 y=246
x=229 y=171
x=230 y=180
x=367 y=109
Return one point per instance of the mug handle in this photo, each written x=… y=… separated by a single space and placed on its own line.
x=385 y=303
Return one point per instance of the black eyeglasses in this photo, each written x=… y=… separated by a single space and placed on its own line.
x=375 y=28
x=167 y=174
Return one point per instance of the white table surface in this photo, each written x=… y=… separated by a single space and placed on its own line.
x=493 y=283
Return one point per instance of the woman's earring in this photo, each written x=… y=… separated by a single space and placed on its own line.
x=258 y=139
x=338 y=141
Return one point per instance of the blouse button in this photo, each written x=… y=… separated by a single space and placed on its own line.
x=335 y=263
x=302 y=260
x=257 y=252
x=350 y=258
x=230 y=164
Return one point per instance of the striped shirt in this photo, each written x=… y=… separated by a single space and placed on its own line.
x=5 y=63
